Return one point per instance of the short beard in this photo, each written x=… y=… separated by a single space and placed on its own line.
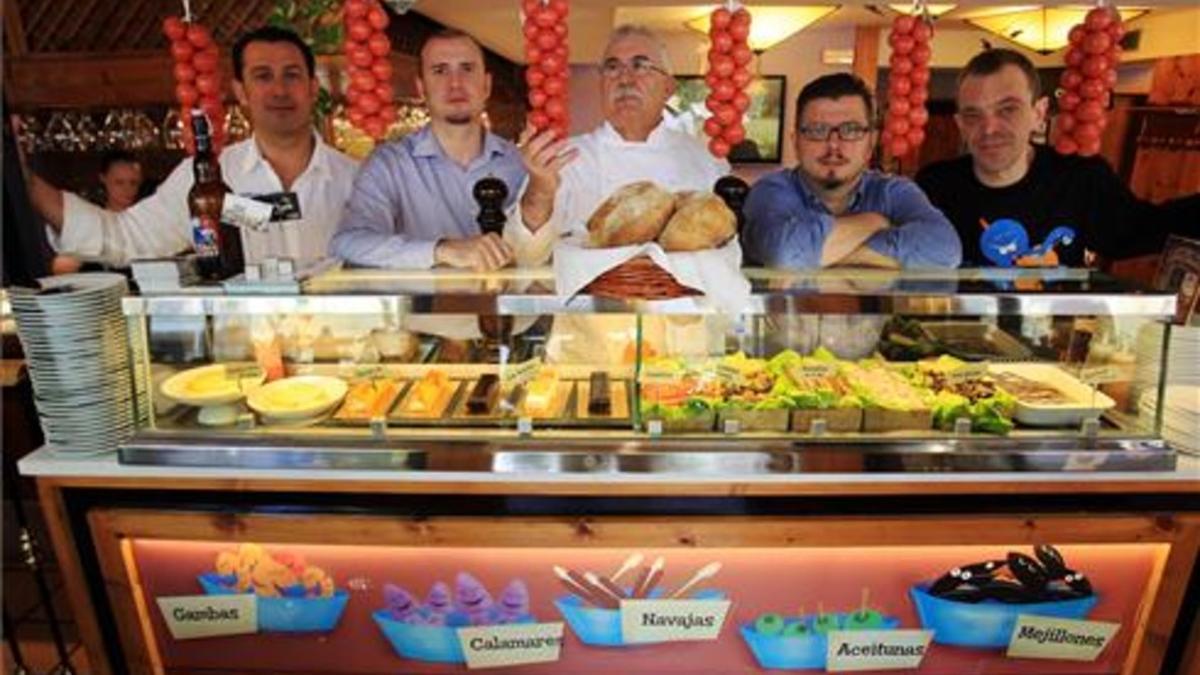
x=832 y=183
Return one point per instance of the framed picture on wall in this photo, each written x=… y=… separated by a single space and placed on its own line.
x=764 y=118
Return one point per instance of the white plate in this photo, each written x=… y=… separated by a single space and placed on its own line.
x=210 y=385
x=1084 y=401
x=294 y=398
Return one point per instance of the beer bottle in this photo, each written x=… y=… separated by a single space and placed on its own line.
x=218 y=245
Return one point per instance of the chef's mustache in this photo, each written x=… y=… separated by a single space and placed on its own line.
x=626 y=90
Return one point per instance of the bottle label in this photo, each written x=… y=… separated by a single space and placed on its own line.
x=204 y=236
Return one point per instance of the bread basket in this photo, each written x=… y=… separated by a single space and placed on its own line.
x=639 y=277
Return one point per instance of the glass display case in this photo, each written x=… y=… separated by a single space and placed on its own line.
x=960 y=370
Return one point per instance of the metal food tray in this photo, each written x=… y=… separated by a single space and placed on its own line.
x=401 y=394
x=977 y=340
x=459 y=415
x=621 y=391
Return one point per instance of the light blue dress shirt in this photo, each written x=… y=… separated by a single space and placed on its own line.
x=786 y=224
x=409 y=195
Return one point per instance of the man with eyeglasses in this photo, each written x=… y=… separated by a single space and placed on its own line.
x=412 y=205
x=569 y=178
x=1007 y=176
x=830 y=210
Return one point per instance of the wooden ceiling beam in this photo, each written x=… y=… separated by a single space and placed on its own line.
x=133 y=79
x=120 y=19
x=14 y=30
x=148 y=31
x=83 y=16
x=34 y=22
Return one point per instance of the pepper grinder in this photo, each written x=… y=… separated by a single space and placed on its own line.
x=490 y=193
x=733 y=190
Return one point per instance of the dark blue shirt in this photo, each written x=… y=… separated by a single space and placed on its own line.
x=786 y=224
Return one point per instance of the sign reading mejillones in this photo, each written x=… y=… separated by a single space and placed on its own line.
x=197 y=616
x=1043 y=637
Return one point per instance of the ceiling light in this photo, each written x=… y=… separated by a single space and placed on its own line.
x=1042 y=29
x=771 y=25
x=934 y=10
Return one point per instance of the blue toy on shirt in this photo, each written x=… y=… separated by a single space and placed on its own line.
x=1006 y=241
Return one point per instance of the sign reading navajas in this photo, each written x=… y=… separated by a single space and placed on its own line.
x=876 y=649
x=198 y=616
x=511 y=644
x=672 y=620
x=1045 y=637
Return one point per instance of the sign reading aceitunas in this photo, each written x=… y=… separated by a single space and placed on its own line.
x=511 y=644
x=1045 y=637
x=876 y=649
x=198 y=616
x=672 y=620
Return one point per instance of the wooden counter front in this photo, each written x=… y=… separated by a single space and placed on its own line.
x=95 y=508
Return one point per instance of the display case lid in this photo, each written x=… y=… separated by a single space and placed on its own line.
x=967 y=292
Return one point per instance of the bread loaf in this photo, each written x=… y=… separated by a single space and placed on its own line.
x=634 y=214
x=701 y=221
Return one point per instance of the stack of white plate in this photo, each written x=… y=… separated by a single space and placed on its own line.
x=1181 y=416
x=1183 y=356
x=77 y=352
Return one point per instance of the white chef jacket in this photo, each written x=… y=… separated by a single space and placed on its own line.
x=606 y=162
x=158 y=225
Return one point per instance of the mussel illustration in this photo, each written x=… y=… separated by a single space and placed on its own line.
x=1017 y=579
x=1008 y=591
x=1028 y=571
x=1052 y=560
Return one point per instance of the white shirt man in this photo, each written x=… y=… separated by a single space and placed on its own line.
x=275 y=79
x=605 y=163
x=568 y=179
x=158 y=225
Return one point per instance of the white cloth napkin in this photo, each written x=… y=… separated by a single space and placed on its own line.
x=715 y=272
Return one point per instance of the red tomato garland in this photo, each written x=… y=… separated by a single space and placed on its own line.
x=369 y=94
x=729 y=58
x=547 y=63
x=197 y=78
x=908 y=84
x=1085 y=87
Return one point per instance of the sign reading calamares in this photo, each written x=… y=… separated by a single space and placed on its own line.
x=511 y=644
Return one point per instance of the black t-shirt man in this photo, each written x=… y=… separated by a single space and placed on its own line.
x=1081 y=193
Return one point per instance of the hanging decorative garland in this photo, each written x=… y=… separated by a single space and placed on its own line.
x=370 y=98
x=197 y=76
x=729 y=58
x=908 y=82
x=1086 y=86
x=547 y=59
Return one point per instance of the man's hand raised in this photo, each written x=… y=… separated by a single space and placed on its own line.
x=544 y=159
x=482 y=254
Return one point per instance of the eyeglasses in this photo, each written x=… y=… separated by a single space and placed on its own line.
x=847 y=131
x=640 y=66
